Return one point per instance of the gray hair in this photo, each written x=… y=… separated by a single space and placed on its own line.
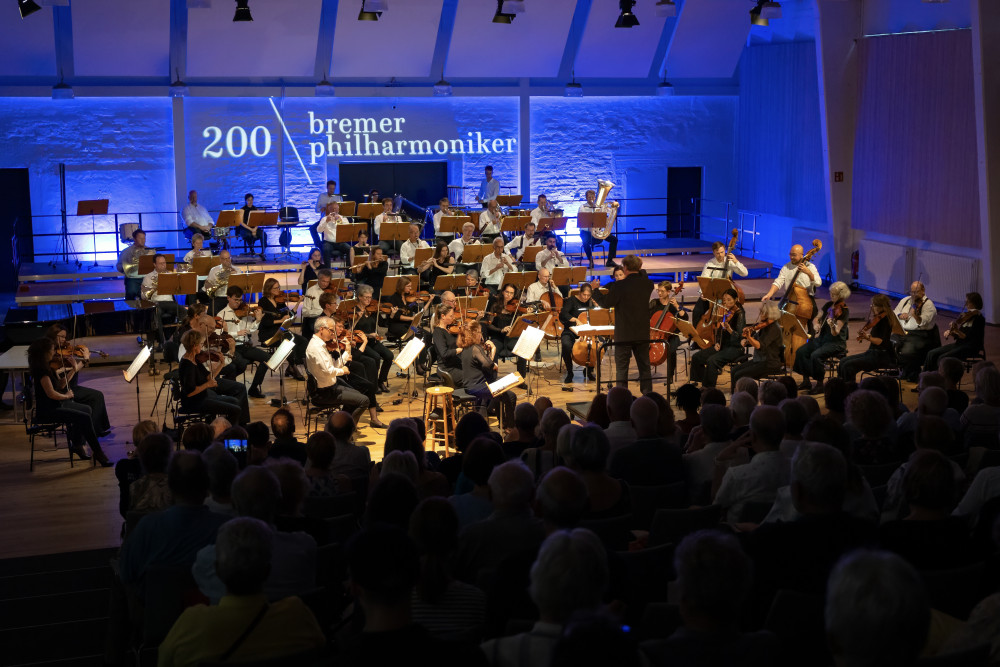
x=472 y=273
x=772 y=392
x=821 y=472
x=562 y=497
x=323 y=322
x=243 y=555
x=570 y=574
x=645 y=416
x=839 y=291
x=742 y=404
x=589 y=449
x=713 y=574
x=987 y=381
x=256 y=492
x=564 y=439
x=877 y=612
x=810 y=404
x=933 y=401
x=401 y=463
x=552 y=421
x=364 y=290
x=770 y=311
x=512 y=485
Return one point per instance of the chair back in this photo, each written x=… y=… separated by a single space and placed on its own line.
x=288 y=214
x=331 y=506
x=671 y=526
x=166 y=588
x=647 y=499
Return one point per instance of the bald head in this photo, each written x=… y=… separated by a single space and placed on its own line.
x=768 y=427
x=543 y=275
x=340 y=425
x=645 y=417
x=619 y=403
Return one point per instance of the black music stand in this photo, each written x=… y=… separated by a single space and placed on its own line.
x=92 y=207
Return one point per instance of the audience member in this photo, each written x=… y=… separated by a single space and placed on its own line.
x=320 y=448
x=523 y=435
x=588 y=457
x=811 y=406
x=401 y=463
x=402 y=436
x=222 y=469
x=392 y=501
x=151 y=492
x=981 y=420
x=620 y=431
x=542 y=403
x=932 y=401
x=952 y=370
x=666 y=426
x=129 y=469
x=197 y=436
x=564 y=439
x=688 y=399
x=759 y=480
x=598 y=411
x=835 y=392
x=544 y=458
x=773 y=392
x=749 y=385
x=285 y=445
x=985 y=486
x=795 y=420
x=469 y=427
x=652 y=459
x=932 y=433
x=289 y=516
x=258 y=437
x=349 y=459
x=481 y=457
x=790 y=386
x=219 y=426
x=245 y=626
x=561 y=500
x=742 y=405
x=870 y=422
x=699 y=464
x=712 y=396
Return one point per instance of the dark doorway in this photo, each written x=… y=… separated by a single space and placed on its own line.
x=15 y=215
x=423 y=183
x=684 y=201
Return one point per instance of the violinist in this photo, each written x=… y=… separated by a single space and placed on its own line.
x=276 y=316
x=373 y=270
x=765 y=339
x=198 y=384
x=877 y=331
x=361 y=247
x=197 y=250
x=363 y=370
x=446 y=344
x=665 y=299
x=241 y=327
x=440 y=264
x=386 y=215
x=219 y=353
x=327 y=229
x=365 y=322
x=489 y=221
x=400 y=313
x=55 y=401
x=717 y=268
x=967 y=332
x=311 y=307
x=916 y=314
x=498 y=323
x=479 y=367
x=215 y=340
x=75 y=362
x=472 y=286
x=518 y=244
x=328 y=368
x=308 y=273
x=708 y=363
x=249 y=234
x=580 y=302
x=831 y=341
x=408 y=251
x=543 y=291
x=496 y=265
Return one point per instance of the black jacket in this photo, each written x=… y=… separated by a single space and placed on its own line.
x=630 y=299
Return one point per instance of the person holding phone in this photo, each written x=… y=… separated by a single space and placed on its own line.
x=198 y=383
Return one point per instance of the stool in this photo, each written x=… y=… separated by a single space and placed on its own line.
x=439 y=417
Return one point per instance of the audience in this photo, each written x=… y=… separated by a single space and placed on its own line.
x=151 y=493
x=392 y=501
x=652 y=459
x=952 y=369
x=481 y=457
x=773 y=393
x=285 y=445
x=403 y=436
x=349 y=459
x=872 y=428
x=796 y=418
x=470 y=426
x=544 y=458
x=759 y=480
x=222 y=469
x=932 y=433
x=980 y=421
x=699 y=464
x=688 y=399
x=748 y=385
x=129 y=469
x=320 y=448
x=588 y=457
x=835 y=392
x=401 y=463
x=619 y=431
x=197 y=436
x=666 y=426
x=598 y=411
x=523 y=435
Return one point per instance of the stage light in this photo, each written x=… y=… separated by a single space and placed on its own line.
x=324 y=88
x=62 y=91
x=178 y=88
x=666 y=8
x=573 y=89
x=770 y=10
x=442 y=88
x=513 y=6
x=27 y=7
x=242 y=11
x=756 y=18
x=368 y=14
x=664 y=88
x=626 y=19
x=500 y=16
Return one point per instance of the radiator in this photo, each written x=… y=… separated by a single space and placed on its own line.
x=884 y=267
x=947 y=277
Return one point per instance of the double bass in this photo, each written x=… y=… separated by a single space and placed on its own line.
x=709 y=322
x=799 y=303
x=660 y=326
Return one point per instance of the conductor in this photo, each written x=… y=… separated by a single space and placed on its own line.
x=630 y=299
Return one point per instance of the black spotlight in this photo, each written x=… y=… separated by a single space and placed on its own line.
x=27 y=7
x=500 y=16
x=366 y=15
x=242 y=11
x=626 y=19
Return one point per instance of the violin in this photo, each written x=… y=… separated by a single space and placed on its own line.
x=334 y=345
x=288 y=297
x=866 y=331
x=754 y=328
x=220 y=340
x=77 y=352
x=420 y=297
x=478 y=290
x=836 y=310
x=245 y=309
x=209 y=355
x=959 y=323
x=512 y=305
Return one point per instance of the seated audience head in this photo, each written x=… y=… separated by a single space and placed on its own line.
x=589 y=450
x=256 y=492
x=819 y=479
x=401 y=463
x=931 y=379
x=932 y=401
x=934 y=433
x=712 y=396
x=258 y=434
x=513 y=487
x=479 y=460
x=831 y=432
x=341 y=426
x=142 y=429
x=219 y=426
x=434 y=531
x=283 y=423
x=391 y=501
x=714 y=577
x=868 y=411
x=222 y=469
x=384 y=566
x=553 y=419
x=666 y=425
x=468 y=428
x=795 y=417
x=789 y=382
x=742 y=405
x=810 y=404
x=619 y=401
x=835 y=393
x=767 y=426
x=988 y=385
x=187 y=478
x=598 y=411
x=321 y=448
x=772 y=393
x=645 y=417
x=716 y=422
x=884 y=386
x=877 y=613
x=562 y=499
x=564 y=439
x=929 y=484
x=542 y=403
x=154 y=453
x=197 y=436
x=294 y=485
x=243 y=555
x=749 y=385
x=526 y=420
x=688 y=398
x=570 y=575
x=952 y=369
x=401 y=436
x=235 y=433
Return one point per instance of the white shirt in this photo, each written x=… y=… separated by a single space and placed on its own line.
x=408 y=250
x=320 y=365
x=536 y=290
x=620 y=433
x=328 y=227
x=310 y=302
x=537 y=214
x=231 y=324
x=192 y=253
x=488 y=190
x=325 y=200
x=213 y=277
x=548 y=259
x=147 y=284
x=713 y=269
x=490 y=262
x=437 y=221
x=197 y=215
x=384 y=217
x=489 y=223
x=457 y=247
x=928 y=311
x=756 y=481
x=809 y=279
x=985 y=486
x=519 y=243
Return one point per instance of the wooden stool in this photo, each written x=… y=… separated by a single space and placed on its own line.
x=441 y=426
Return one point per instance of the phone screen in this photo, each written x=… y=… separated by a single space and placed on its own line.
x=237 y=446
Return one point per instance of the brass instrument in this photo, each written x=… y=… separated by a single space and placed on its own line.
x=611 y=208
x=130 y=260
x=147 y=294
x=221 y=278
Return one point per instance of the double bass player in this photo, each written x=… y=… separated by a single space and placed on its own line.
x=801 y=278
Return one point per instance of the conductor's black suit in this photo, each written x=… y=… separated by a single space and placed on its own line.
x=630 y=299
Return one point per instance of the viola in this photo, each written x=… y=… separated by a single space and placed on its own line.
x=511 y=306
x=478 y=290
x=78 y=352
x=245 y=309
x=209 y=355
x=220 y=340
x=751 y=329
x=866 y=331
x=959 y=322
x=420 y=297
x=288 y=297
x=334 y=345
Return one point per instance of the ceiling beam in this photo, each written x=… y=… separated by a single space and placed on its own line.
x=178 y=39
x=574 y=38
x=324 y=41
x=62 y=21
x=446 y=28
x=663 y=47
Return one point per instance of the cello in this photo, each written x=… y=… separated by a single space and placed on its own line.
x=709 y=322
x=660 y=325
x=799 y=303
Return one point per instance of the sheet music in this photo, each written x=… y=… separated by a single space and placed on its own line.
x=593 y=330
x=280 y=354
x=409 y=353
x=504 y=383
x=528 y=342
x=137 y=363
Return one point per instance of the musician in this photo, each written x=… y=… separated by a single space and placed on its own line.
x=880 y=352
x=479 y=367
x=199 y=319
x=444 y=209
x=226 y=385
x=361 y=247
x=363 y=370
x=217 y=281
x=630 y=299
x=472 y=286
x=196 y=217
x=309 y=268
x=541 y=290
x=373 y=270
x=665 y=299
x=916 y=314
x=457 y=247
x=518 y=244
x=197 y=250
x=251 y=234
x=92 y=398
x=446 y=344
x=386 y=215
x=324 y=200
x=551 y=258
x=408 y=251
x=55 y=401
x=327 y=228
x=808 y=277
x=366 y=324
x=198 y=384
x=831 y=341
x=311 y=306
x=440 y=264
x=968 y=332
x=327 y=368
x=766 y=343
x=570 y=317
x=165 y=303
x=241 y=328
x=401 y=315
x=495 y=265
x=448 y=298
x=588 y=238
x=275 y=317
x=489 y=189
x=498 y=322
x=489 y=221
x=716 y=268
x=707 y=363
x=128 y=264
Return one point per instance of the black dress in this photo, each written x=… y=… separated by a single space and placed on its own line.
x=396 y=327
x=477 y=369
x=308 y=274
x=446 y=347
x=374 y=277
x=273 y=316
x=245 y=233
x=208 y=401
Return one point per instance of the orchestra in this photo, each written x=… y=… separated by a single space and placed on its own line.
x=240 y=320
x=831 y=341
x=917 y=315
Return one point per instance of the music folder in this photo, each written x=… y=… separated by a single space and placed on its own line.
x=347 y=232
x=530 y=252
x=452 y=224
x=202 y=265
x=250 y=283
x=514 y=223
x=368 y=210
x=177 y=283
x=519 y=279
x=569 y=275
x=92 y=207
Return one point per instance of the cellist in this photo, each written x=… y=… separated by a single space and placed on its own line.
x=575 y=304
x=666 y=300
x=543 y=288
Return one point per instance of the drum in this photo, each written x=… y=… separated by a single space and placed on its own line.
x=220 y=232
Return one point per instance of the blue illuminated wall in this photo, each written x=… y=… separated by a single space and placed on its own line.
x=119 y=149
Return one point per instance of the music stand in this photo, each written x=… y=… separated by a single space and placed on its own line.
x=509 y=200
x=530 y=252
x=467 y=303
x=405 y=360
x=250 y=283
x=553 y=224
x=421 y=255
x=133 y=370
x=146 y=263
x=173 y=284
x=202 y=265
x=276 y=363
x=590 y=219
x=529 y=336
x=92 y=207
x=502 y=386
x=390 y=283
x=347 y=232
x=397 y=232
x=713 y=288
x=227 y=220
x=519 y=279
x=474 y=253
x=569 y=275
x=347 y=208
x=449 y=283
x=688 y=330
x=261 y=218
x=452 y=224
x=368 y=210
x=514 y=223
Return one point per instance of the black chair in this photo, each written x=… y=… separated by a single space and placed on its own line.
x=971 y=361
x=316 y=413
x=647 y=499
x=878 y=474
x=831 y=365
x=671 y=526
x=956 y=591
x=615 y=532
x=797 y=621
x=339 y=529
x=331 y=506
x=34 y=427
x=648 y=573
x=180 y=418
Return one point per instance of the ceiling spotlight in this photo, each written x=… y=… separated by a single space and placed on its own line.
x=666 y=8
x=755 y=16
x=513 y=6
x=177 y=87
x=770 y=10
x=573 y=89
x=368 y=15
x=27 y=7
x=242 y=11
x=501 y=16
x=626 y=19
x=442 y=88
x=664 y=88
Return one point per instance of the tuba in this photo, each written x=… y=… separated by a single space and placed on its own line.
x=610 y=208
